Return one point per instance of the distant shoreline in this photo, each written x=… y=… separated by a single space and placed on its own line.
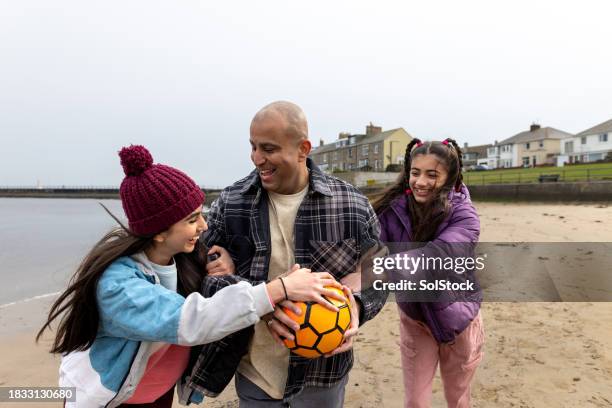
x=78 y=193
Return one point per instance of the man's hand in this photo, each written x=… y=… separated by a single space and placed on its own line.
x=353 y=280
x=223 y=265
x=279 y=323
x=353 y=329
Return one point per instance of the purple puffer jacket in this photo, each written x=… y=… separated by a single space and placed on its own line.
x=445 y=320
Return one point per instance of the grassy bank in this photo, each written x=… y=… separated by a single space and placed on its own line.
x=579 y=172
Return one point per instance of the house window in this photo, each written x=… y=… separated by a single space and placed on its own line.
x=603 y=137
x=335 y=155
x=350 y=152
x=376 y=149
x=569 y=147
x=583 y=140
x=527 y=146
x=525 y=161
x=377 y=163
x=365 y=149
x=363 y=163
x=541 y=143
x=325 y=158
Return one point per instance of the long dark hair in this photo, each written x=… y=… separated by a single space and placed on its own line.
x=77 y=306
x=426 y=218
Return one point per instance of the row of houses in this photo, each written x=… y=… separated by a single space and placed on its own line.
x=376 y=150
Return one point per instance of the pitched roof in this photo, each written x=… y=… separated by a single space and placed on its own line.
x=325 y=148
x=601 y=128
x=538 y=134
x=481 y=150
x=378 y=137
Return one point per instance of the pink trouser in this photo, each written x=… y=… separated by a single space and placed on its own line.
x=458 y=362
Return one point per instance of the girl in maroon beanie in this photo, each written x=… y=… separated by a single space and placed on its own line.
x=132 y=309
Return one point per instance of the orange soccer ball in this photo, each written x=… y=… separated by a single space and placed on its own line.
x=321 y=330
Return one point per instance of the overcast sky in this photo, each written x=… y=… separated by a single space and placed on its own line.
x=79 y=79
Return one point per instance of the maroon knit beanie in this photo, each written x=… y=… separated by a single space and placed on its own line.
x=154 y=196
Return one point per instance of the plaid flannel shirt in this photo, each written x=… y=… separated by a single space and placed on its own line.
x=334 y=226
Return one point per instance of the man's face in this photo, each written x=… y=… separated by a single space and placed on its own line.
x=278 y=157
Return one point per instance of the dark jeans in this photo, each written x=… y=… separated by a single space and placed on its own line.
x=251 y=396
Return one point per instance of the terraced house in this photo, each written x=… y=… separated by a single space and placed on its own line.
x=373 y=151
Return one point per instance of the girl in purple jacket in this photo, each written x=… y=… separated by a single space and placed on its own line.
x=430 y=204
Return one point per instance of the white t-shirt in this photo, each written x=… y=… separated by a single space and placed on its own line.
x=267 y=363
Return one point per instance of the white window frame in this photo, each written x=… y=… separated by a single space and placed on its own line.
x=365 y=149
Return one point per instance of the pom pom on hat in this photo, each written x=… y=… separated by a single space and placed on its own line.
x=154 y=196
x=135 y=159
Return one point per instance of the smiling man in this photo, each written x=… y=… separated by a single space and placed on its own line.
x=286 y=212
x=279 y=147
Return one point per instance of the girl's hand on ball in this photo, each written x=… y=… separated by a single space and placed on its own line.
x=350 y=334
x=306 y=286
x=277 y=329
x=281 y=316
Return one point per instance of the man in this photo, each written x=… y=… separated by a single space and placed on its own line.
x=286 y=212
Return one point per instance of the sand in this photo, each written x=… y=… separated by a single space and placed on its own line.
x=536 y=354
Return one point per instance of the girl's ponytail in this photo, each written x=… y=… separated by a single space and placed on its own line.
x=459 y=180
x=401 y=185
x=414 y=142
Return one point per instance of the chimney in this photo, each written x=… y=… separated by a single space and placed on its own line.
x=372 y=130
x=534 y=127
x=321 y=142
x=465 y=145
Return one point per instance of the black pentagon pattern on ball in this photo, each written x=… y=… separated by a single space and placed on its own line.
x=319 y=335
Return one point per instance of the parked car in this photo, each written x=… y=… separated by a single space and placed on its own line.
x=478 y=167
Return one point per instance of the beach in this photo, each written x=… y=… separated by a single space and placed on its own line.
x=537 y=354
